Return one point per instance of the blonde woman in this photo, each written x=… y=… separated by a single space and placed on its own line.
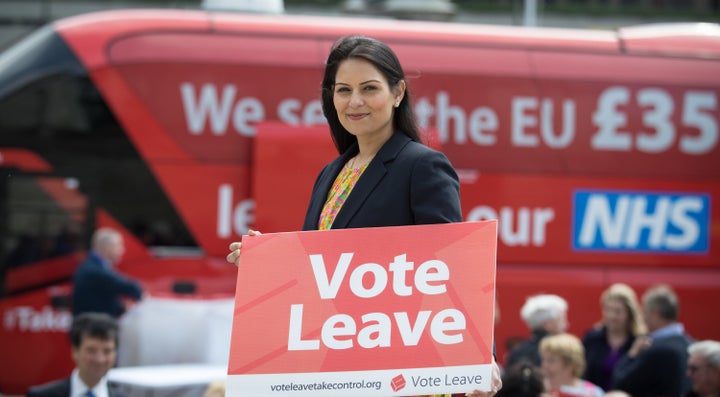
x=563 y=363
x=621 y=323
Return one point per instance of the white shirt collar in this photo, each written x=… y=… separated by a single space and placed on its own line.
x=78 y=388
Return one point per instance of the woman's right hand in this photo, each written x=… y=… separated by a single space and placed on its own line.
x=234 y=255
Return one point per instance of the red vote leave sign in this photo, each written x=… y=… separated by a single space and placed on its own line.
x=383 y=311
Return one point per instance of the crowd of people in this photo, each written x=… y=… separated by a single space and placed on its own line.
x=636 y=349
x=618 y=358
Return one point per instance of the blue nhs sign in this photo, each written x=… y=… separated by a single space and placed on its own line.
x=640 y=222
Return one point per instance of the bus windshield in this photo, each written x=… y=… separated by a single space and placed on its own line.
x=51 y=110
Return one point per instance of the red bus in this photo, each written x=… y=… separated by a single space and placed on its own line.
x=597 y=151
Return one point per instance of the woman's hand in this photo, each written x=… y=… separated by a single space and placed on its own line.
x=641 y=344
x=496 y=384
x=234 y=255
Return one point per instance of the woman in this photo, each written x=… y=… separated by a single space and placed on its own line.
x=372 y=125
x=563 y=362
x=384 y=175
x=607 y=344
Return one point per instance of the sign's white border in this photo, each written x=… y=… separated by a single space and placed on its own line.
x=392 y=382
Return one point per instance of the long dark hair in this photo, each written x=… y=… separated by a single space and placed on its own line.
x=385 y=60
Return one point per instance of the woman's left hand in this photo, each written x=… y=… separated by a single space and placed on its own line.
x=234 y=255
x=496 y=384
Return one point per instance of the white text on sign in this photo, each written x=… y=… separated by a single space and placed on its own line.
x=340 y=331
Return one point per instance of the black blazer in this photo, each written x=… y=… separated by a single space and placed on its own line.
x=596 y=351
x=407 y=183
x=528 y=351
x=61 y=388
x=97 y=288
x=58 y=388
x=657 y=371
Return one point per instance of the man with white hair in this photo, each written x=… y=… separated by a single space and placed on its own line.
x=703 y=368
x=97 y=287
x=544 y=315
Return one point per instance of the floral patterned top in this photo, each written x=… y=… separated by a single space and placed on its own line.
x=341 y=188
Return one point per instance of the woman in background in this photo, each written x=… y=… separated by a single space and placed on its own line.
x=563 y=363
x=610 y=341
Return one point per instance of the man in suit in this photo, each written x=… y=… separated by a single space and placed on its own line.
x=94 y=340
x=97 y=287
x=656 y=364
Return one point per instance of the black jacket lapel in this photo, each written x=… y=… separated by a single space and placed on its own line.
x=372 y=176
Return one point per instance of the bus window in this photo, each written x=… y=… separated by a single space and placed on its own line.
x=49 y=106
x=46 y=218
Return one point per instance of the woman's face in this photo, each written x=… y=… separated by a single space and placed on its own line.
x=363 y=99
x=615 y=315
x=555 y=370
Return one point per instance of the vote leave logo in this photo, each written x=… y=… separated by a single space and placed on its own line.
x=398 y=383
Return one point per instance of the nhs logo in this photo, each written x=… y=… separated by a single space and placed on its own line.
x=640 y=222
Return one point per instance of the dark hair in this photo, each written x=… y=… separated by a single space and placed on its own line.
x=522 y=380
x=663 y=299
x=94 y=325
x=385 y=60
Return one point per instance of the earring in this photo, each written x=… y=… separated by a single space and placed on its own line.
x=397 y=104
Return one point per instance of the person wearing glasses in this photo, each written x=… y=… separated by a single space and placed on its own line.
x=703 y=369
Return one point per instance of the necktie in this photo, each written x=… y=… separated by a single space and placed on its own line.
x=89 y=393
